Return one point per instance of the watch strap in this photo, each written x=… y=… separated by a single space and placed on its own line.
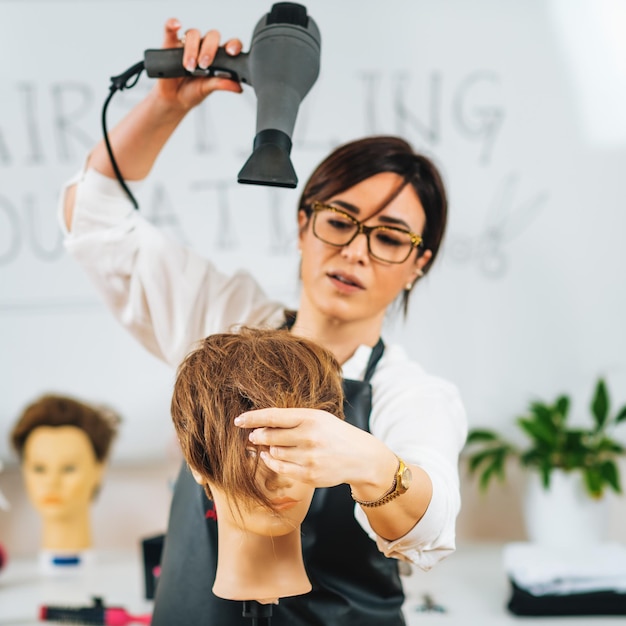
x=391 y=494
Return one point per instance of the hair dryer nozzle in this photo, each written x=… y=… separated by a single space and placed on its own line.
x=269 y=163
x=284 y=62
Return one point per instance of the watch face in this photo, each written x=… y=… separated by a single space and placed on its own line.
x=405 y=478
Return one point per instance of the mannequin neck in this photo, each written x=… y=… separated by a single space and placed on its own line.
x=259 y=567
x=67 y=534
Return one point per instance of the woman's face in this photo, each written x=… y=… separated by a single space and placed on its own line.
x=345 y=283
x=60 y=470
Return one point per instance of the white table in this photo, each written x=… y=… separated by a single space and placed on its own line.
x=470 y=585
x=116 y=577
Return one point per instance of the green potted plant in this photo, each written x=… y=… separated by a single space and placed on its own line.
x=556 y=453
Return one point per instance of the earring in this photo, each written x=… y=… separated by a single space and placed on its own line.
x=419 y=273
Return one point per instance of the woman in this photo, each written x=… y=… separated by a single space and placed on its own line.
x=371 y=219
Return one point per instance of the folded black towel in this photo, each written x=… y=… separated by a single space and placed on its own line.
x=523 y=602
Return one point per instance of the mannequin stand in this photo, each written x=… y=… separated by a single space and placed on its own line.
x=260 y=613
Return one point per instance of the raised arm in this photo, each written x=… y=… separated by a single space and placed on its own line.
x=139 y=138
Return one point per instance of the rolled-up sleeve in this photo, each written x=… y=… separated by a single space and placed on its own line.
x=166 y=295
x=422 y=419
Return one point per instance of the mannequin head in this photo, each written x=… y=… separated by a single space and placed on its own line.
x=228 y=374
x=259 y=512
x=63 y=445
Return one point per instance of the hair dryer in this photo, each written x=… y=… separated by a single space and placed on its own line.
x=282 y=66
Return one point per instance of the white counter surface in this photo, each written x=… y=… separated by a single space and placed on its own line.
x=470 y=586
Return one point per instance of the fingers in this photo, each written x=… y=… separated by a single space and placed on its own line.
x=170 y=40
x=199 y=51
x=293 y=463
x=283 y=467
x=233 y=47
x=222 y=84
x=288 y=457
x=208 y=48
x=285 y=437
x=273 y=418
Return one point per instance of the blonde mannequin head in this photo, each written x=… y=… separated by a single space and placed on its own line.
x=63 y=445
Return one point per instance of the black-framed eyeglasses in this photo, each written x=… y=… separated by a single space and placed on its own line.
x=385 y=243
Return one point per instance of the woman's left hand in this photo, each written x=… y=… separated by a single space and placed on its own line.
x=312 y=446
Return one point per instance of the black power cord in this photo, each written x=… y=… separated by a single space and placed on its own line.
x=117 y=84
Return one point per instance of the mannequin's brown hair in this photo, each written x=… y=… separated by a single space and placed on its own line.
x=99 y=423
x=230 y=373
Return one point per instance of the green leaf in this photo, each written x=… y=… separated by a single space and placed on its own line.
x=538 y=430
x=600 y=404
x=621 y=415
x=610 y=474
x=485 y=478
x=545 y=475
x=545 y=414
x=478 y=458
x=477 y=435
x=496 y=468
x=488 y=457
x=532 y=458
x=561 y=407
x=593 y=481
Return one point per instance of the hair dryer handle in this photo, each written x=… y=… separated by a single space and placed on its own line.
x=168 y=63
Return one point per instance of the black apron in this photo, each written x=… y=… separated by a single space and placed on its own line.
x=354 y=584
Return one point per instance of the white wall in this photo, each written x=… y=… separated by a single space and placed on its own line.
x=528 y=298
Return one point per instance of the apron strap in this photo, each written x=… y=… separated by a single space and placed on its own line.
x=377 y=353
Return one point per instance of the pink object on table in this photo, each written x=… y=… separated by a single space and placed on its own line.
x=3 y=556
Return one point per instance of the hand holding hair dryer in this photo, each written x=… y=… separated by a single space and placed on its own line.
x=282 y=65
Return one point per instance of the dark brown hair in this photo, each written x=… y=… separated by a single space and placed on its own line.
x=358 y=160
x=230 y=373
x=99 y=423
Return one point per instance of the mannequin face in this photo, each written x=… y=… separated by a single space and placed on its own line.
x=61 y=471
x=291 y=500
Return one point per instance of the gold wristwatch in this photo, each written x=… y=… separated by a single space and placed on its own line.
x=401 y=482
